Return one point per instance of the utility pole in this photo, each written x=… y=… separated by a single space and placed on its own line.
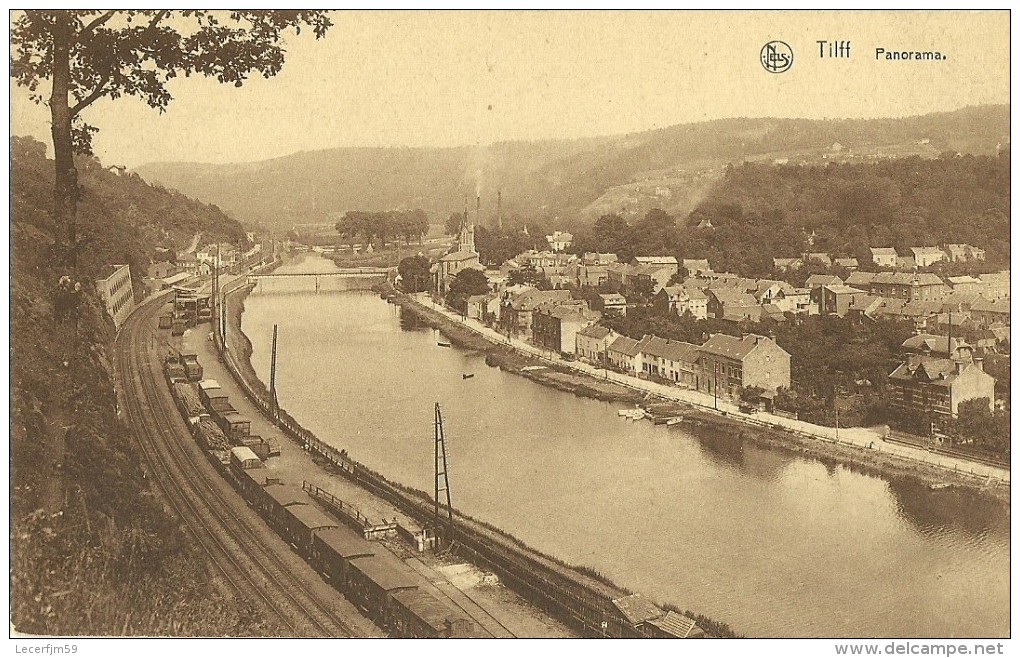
x=715 y=385
x=442 y=478
x=273 y=401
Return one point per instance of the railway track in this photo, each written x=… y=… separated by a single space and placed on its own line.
x=256 y=564
x=947 y=452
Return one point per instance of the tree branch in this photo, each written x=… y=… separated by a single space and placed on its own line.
x=160 y=15
x=97 y=23
x=91 y=98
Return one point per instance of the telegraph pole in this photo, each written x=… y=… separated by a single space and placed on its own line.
x=715 y=386
x=273 y=401
x=442 y=478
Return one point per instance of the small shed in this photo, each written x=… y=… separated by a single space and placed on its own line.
x=636 y=609
x=673 y=625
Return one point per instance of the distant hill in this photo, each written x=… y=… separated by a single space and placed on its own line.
x=672 y=168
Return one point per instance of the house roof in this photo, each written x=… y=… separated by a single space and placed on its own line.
x=732 y=297
x=530 y=299
x=613 y=298
x=929 y=343
x=1000 y=278
x=991 y=306
x=927 y=251
x=818 y=280
x=843 y=290
x=936 y=371
x=458 y=256
x=846 y=262
x=731 y=346
x=673 y=350
x=860 y=278
x=907 y=278
x=957 y=280
x=655 y=260
x=625 y=346
x=596 y=331
x=637 y=609
x=883 y=251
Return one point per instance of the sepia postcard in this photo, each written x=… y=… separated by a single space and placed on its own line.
x=496 y=324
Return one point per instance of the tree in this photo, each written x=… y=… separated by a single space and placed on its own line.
x=466 y=283
x=454 y=223
x=414 y=273
x=91 y=54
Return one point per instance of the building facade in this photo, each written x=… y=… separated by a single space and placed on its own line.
x=727 y=363
x=116 y=293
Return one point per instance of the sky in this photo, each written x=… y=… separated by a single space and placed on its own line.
x=457 y=78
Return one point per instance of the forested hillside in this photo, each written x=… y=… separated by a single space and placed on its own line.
x=93 y=552
x=760 y=211
x=562 y=180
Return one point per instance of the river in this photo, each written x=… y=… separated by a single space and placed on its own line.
x=773 y=544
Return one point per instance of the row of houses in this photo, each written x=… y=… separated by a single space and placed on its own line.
x=722 y=366
x=888 y=257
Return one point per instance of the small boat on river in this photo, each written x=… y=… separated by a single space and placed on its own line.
x=468 y=375
x=442 y=344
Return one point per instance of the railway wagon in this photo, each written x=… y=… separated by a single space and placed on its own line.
x=252 y=481
x=258 y=445
x=209 y=436
x=418 y=614
x=332 y=552
x=373 y=580
x=302 y=521
x=213 y=396
x=233 y=424
x=242 y=457
x=193 y=367
x=275 y=499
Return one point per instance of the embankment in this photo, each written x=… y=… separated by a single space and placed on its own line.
x=870 y=462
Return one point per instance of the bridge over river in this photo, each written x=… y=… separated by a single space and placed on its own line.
x=353 y=278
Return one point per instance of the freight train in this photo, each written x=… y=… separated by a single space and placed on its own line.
x=387 y=590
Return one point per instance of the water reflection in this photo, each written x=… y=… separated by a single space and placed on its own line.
x=953 y=508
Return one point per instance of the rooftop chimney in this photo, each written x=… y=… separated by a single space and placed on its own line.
x=499 y=209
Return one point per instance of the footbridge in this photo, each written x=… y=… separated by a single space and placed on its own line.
x=352 y=278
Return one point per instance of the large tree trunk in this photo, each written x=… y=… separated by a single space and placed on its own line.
x=65 y=191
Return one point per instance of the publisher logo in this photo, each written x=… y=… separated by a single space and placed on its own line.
x=776 y=56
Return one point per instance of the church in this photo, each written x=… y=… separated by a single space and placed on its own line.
x=463 y=258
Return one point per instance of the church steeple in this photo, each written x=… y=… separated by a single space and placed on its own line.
x=467 y=236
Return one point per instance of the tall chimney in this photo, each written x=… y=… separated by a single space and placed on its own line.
x=499 y=209
x=478 y=209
